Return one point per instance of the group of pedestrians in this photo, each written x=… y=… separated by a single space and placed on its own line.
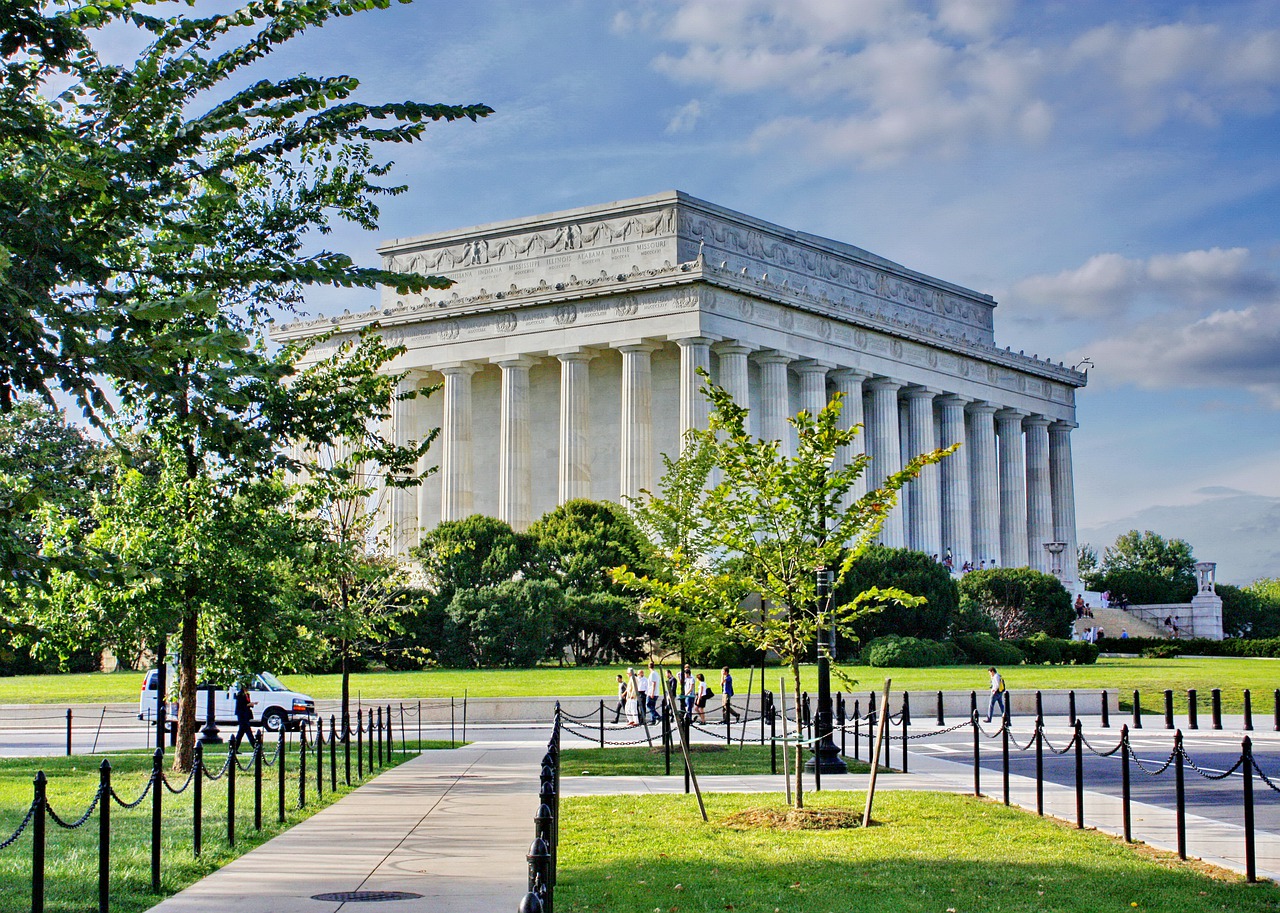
x=640 y=694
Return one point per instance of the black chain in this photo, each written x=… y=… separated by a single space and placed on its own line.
x=275 y=755
x=1173 y=753
x=1065 y=748
x=1265 y=779
x=136 y=802
x=226 y=765
x=248 y=766
x=181 y=789
x=31 y=812
x=1102 y=754
x=595 y=737
x=79 y=822
x=1208 y=776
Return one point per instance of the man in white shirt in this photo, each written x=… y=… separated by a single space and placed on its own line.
x=655 y=691
x=997 y=694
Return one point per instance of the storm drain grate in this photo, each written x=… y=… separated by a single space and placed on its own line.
x=366 y=896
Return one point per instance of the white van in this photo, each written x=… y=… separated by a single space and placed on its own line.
x=275 y=707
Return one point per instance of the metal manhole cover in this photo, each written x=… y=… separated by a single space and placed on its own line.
x=366 y=896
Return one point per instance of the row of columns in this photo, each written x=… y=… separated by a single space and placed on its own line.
x=999 y=499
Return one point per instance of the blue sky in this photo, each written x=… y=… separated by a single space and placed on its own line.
x=1110 y=172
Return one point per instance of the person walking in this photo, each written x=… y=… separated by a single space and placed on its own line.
x=726 y=691
x=702 y=695
x=997 y=693
x=642 y=694
x=673 y=688
x=244 y=719
x=688 y=690
x=632 y=695
x=622 y=698
x=655 y=691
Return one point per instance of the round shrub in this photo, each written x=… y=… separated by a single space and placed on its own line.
x=909 y=652
x=983 y=649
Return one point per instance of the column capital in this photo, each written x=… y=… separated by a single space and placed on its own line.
x=1033 y=421
x=466 y=368
x=692 y=340
x=1009 y=414
x=982 y=407
x=514 y=361
x=811 y=366
x=884 y=383
x=1063 y=426
x=954 y=399
x=732 y=347
x=772 y=357
x=849 y=374
x=920 y=392
x=636 y=345
x=575 y=354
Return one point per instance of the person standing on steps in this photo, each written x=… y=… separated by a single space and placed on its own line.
x=997 y=693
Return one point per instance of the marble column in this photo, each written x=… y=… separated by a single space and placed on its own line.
x=957 y=531
x=455 y=434
x=813 y=386
x=1013 y=488
x=695 y=353
x=403 y=502
x=515 y=464
x=886 y=451
x=575 y=451
x=906 y=500
x=774 y=399
x=1062 y=492
x=637 y=419
x=1039 y=501
x=733 y=375
x=848 y=383
x=926 y=496
x=984 y=484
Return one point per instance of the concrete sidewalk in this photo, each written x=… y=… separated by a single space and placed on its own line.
x=454 y=826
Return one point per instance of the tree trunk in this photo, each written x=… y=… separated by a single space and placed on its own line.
x=795 y=677
x=184 y=757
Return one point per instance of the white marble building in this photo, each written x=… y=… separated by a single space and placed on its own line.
x=568 y=345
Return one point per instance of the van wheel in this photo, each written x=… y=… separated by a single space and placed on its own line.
x=273 y=720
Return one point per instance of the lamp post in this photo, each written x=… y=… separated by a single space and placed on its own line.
x=1055 y=550
x=826 y=757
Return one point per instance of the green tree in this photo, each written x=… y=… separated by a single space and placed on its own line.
x=510 y=624
x=1147 y=568
x=578 y=544
x=771 y=523
x=912 y=572
x=1253 y=610
x=1019 y=600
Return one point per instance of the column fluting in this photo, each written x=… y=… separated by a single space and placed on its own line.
x=886 y=451
x=1063 y=494
x=984 y=478
x=926 y=497
x=455 y=433
x=848 y=382
x=695 y=353
x=637 y=419
x=403 y=502
x=957 y=531
x=1013 y=488
x=575 y=451
x=515 y=465
x=1039 y=500
x=774 y=399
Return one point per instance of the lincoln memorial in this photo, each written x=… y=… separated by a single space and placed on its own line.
x=568 y=348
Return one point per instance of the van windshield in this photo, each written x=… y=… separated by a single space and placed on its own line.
x=272 y=683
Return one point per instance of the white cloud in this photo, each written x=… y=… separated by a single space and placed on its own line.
x=685 y=119
x=1108 y=284
x=976 y=18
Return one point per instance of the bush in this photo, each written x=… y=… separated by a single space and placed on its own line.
x=1145 y=588
x=913 y=572
x=910 y=652
x=1041 y=649
x=985 y=650
x=1022 y=601
x=1157 y=648
x=505 y=625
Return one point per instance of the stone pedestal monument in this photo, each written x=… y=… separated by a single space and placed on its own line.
x=1206 y=605
x=569 y=345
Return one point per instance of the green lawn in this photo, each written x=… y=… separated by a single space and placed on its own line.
x=928 y=852
x=640 y=761
x=1151 y=676
x=72 y=856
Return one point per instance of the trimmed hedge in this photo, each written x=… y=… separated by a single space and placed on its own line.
x=1244 y=647
x=911 y=652
x=986 y=650
x=1041 y=649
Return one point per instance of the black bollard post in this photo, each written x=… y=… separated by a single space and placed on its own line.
x=1004 y=749
x=1168 y=708
x=302 y=768
x=104 y=836
x=773 y=741
x=1193 y=709
x=857 y=734
x=257 y=785
x=906 y=721
x=685 y=722
x=1180 y=794
x=281 y=779
x=1276 y=723
x=1079 y=740
x=333 y=756
x=539 y=859
x=39 y=802
x=157 y=792
x=941 y=721
x=806 y=724
x=840 y=720
x=1039 y=756
x=231 y=793
x=360 y=742
x=977 y=757
x=319 y=759
x=602 y=724
x=871 y=725
x=666 y=737
x=197 y=801
x=1137 y=709
x=68 y=732
x=1216 y=698
x=1071 y=707
x=1248 y=711
x=1124 y=784
x=391 y=730
x=1106 y=713
x=1250 y=851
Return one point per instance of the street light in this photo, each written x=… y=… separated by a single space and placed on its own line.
x=1055 y=550
x=826 y=757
